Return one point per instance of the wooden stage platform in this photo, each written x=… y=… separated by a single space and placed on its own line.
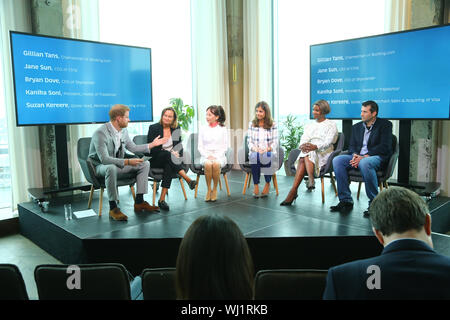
x=305 y=235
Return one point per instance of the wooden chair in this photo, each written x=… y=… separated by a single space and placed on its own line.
x=197 y=168
x=383 y=174
x=156 y=174
x=98 y=182
x=327 y=169
x=244 y=163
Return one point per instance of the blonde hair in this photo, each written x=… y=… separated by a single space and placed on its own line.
x=117 y=110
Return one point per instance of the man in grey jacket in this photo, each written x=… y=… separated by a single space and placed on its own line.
x=107 y=153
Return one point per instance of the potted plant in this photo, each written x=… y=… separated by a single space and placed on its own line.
x=185 y=115
x=291 y=133
x=184 y=112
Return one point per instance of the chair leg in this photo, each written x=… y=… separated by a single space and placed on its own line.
x=226 y=183
x=133 y=193
x=100 y=202
x=220 y=184
x=359 y=190
x=322 y=182
x=245 y=183
x=196 y=186
x=334 y=184
x=154 y=192
x=386 y=184
x=380 y=185
x=275 y=182
x=182 y=187
x=249 y=180
x=91 y=195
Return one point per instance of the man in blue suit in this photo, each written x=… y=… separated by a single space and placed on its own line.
x=369 y=150
x=408 y=267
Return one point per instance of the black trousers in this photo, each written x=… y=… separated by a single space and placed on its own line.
x=163 y=160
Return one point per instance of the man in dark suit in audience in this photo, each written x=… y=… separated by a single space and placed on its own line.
x=370 y=150
x=408 y=267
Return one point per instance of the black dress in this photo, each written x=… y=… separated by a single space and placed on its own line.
x=164 y=159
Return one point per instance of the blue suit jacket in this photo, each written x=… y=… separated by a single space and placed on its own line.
x=409 y=269
x=380 y=139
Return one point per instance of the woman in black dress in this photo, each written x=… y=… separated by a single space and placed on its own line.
x=169 y=155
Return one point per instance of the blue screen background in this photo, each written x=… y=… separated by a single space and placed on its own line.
x=407 y=74
x=81 y=79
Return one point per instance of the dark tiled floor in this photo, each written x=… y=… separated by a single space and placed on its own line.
x=20 y=251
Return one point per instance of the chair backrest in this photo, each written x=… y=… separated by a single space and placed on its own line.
x=389 y=170
x=158 y=284
x=244 y=159
x=12 y=286
x=140 y=139
x=107 y=281
x=194 y=155
x=192 y=147
x=83 y=146
x=295 y=284
x=339 y=145
x=337 y=149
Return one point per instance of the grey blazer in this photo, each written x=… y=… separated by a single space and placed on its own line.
x=102 y=148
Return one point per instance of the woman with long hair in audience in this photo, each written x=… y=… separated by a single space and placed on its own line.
x=212 y=146
x=214 y=261
x=262 y=145
x=316 y=145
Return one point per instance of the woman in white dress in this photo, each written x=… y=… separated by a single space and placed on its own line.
x=316 y=145
x=212 y=146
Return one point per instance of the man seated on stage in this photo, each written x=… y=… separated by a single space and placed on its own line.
x=369 y=150
x=107 y=152
x=408 y=267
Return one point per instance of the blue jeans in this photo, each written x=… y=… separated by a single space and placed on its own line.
x=136 y=289
x=258 y=161
x=368 y=168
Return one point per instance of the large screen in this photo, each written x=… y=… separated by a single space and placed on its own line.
x=406 y=73
x=67 y=81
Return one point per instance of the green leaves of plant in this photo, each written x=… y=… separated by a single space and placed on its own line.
x=290 y=136
x=185 y=113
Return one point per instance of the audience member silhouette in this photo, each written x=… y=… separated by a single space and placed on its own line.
x=214 y=261
x=408 y=267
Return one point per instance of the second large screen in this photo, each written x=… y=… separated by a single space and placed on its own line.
x=406 y=73
x=65 y=81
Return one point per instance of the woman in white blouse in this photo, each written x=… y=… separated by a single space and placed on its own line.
x=262 y=146
x=316 y=145
x=213 y=145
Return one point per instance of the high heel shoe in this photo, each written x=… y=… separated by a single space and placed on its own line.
x=208 y=196
x=289 y=203
x=214 y=195
x=310 y=185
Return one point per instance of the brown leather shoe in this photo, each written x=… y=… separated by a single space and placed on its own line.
x=117 y=215
x=144 y=206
